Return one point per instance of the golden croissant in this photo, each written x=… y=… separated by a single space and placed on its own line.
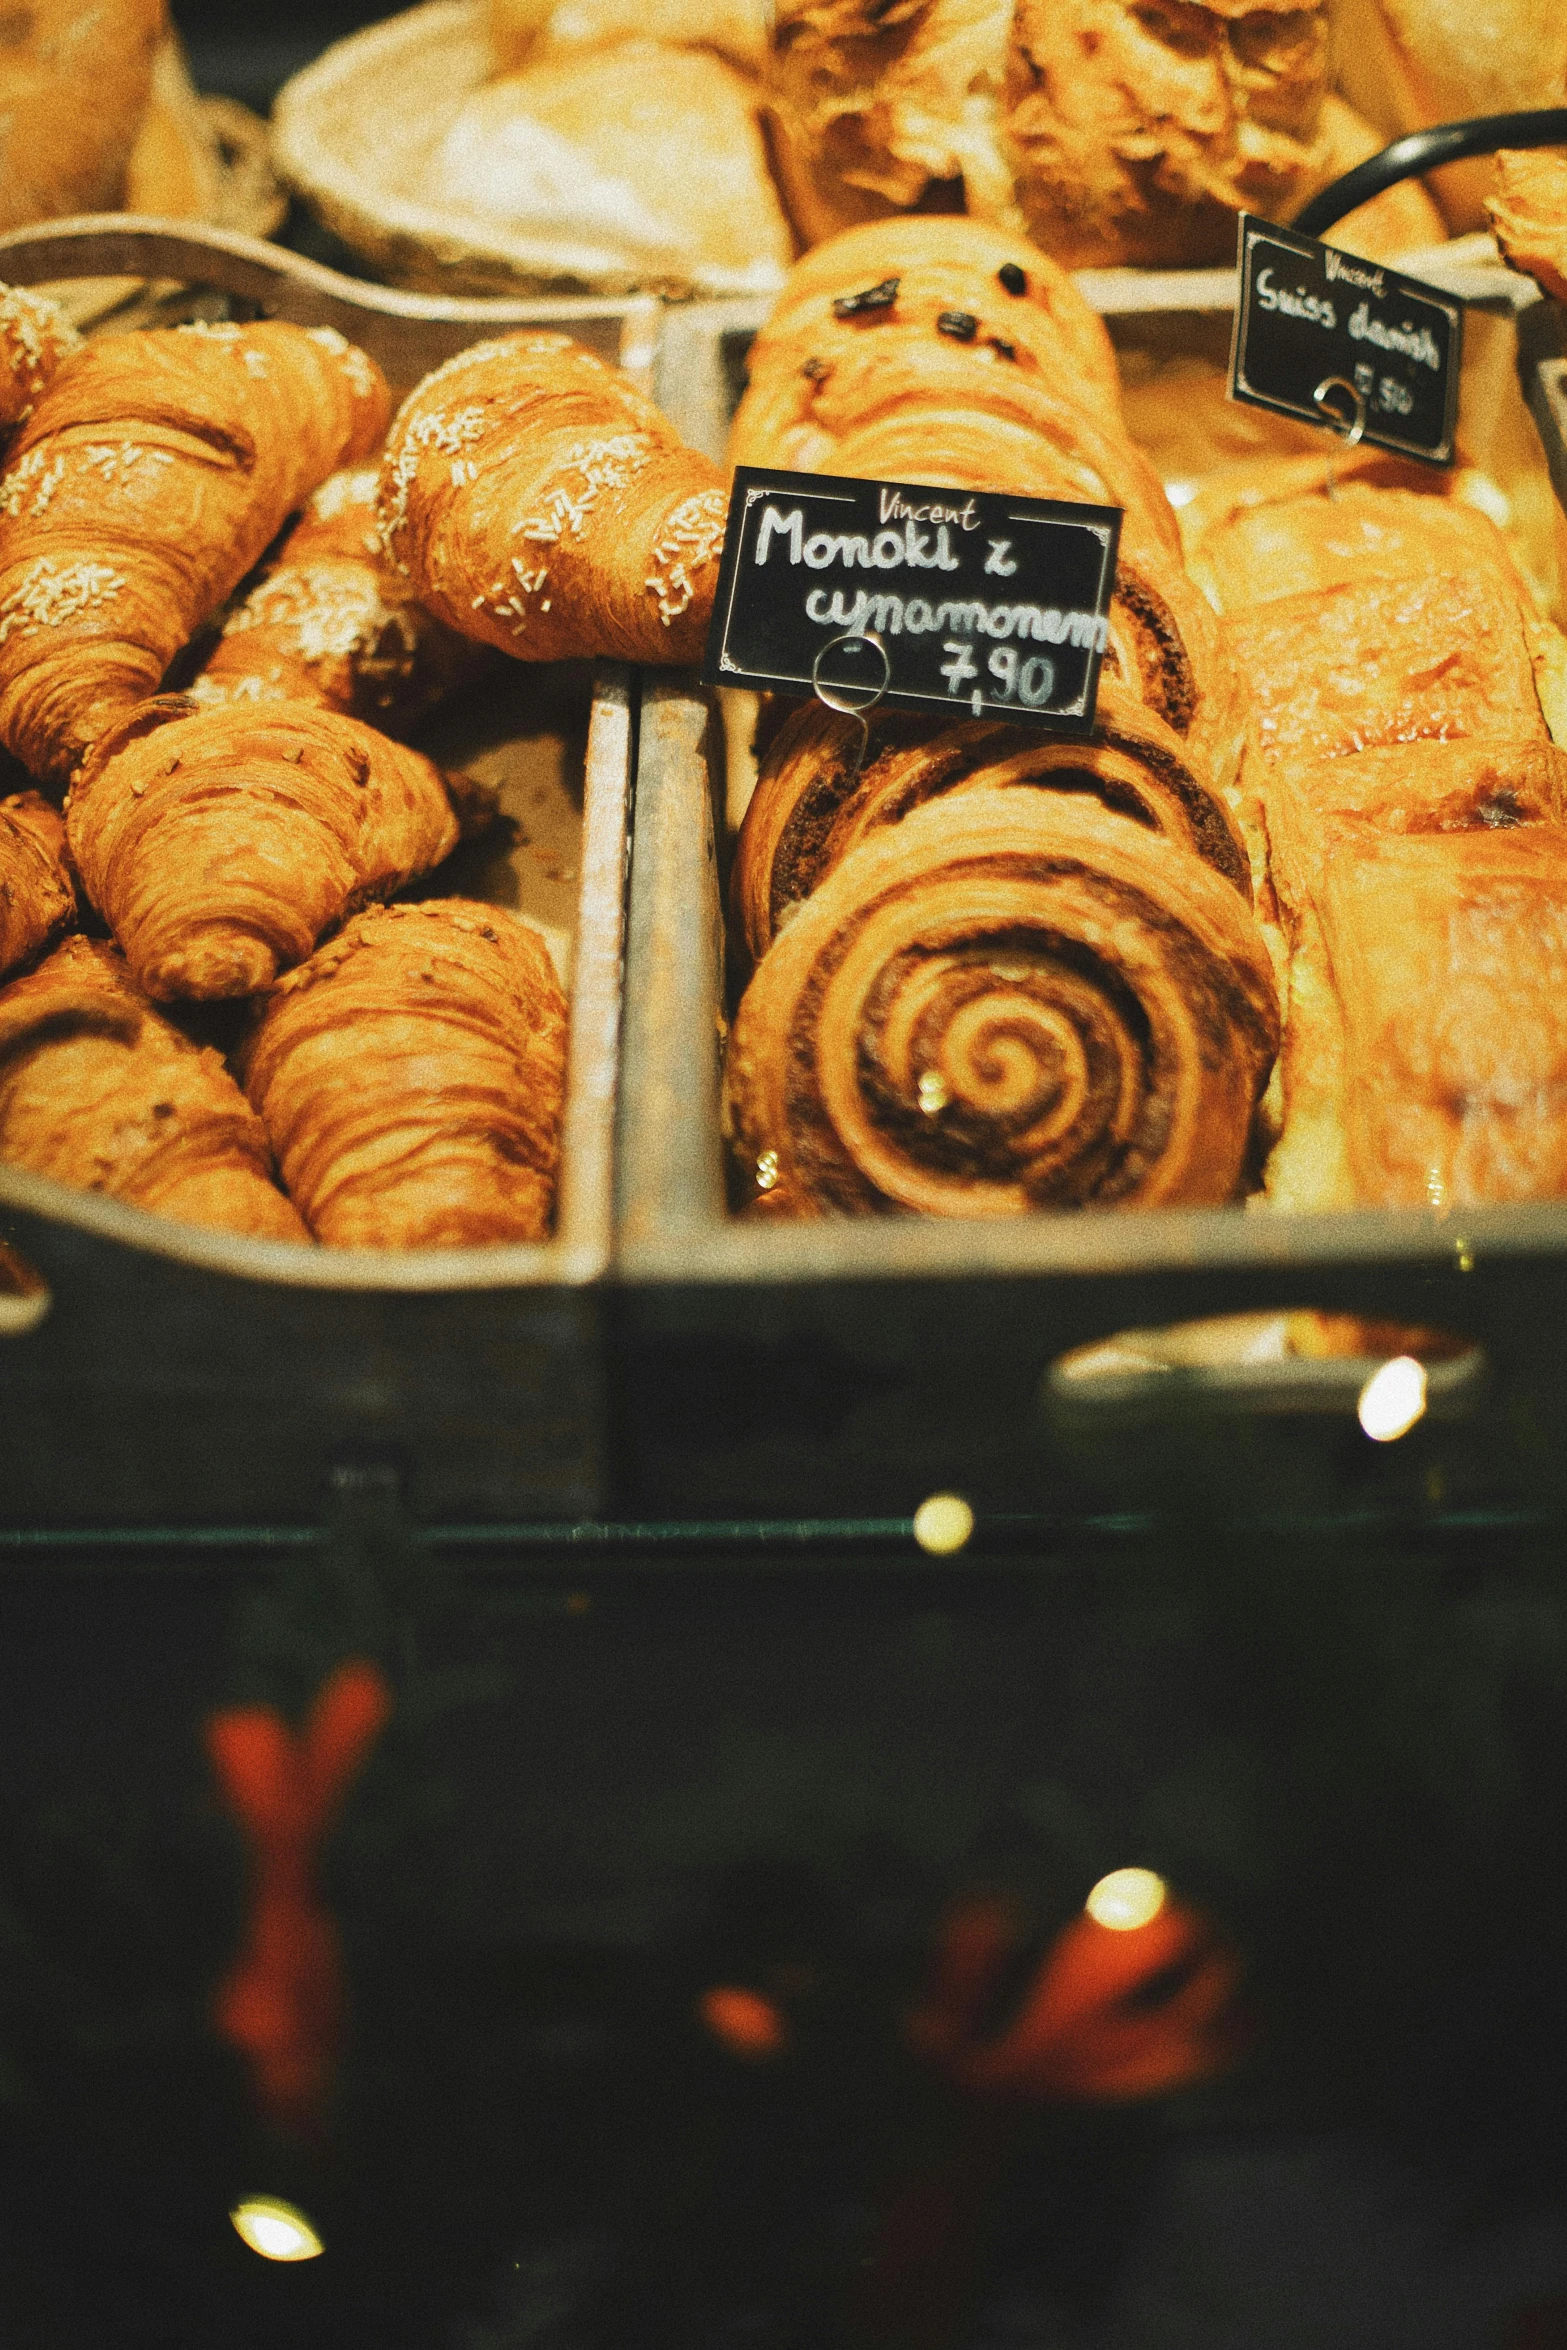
x=1005 y=1002
x=100 y=1091
x=332 y=622
x=411 y=1076
x=35 y=336
x=37 y=897
x=536 y=500
x=153 y=472
x=219 y=844
x=815 y=800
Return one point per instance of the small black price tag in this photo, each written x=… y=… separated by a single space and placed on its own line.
x=1379 y=348
x=979 y=603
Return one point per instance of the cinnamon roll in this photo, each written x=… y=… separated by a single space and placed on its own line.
x=1002 y=1004
x=813 y=805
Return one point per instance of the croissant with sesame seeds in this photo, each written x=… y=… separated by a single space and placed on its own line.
x=537 y=501
x=219 y=844
x=100 y=1091
x=35 y=336
x=330 y=621
x=153 y=473
x=412 y=1075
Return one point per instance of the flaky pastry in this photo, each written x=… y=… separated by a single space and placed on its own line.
x=220 y=844
x=332 y=622
x=537 y=501
x=153 y=472
x=412 y=1075
x=1008 y=1001
x=37 y=895
x=100 y=1091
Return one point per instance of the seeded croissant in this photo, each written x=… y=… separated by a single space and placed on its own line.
x=152 y=474
x=220 y=844
x=411 y=1076
x=101 y=1092
x=333 y=623
x=36 y=894
x=538 y=502
x=35 y=336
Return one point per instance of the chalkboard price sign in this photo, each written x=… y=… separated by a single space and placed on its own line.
x=975 y=604
x=1339 y=341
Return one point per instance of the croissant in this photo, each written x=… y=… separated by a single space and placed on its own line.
x=814 y=803
x=35 y=336
x=151 y=475
x=1003 y=1004
x=37 y=896
x=332 y=623
x=220 y=844
x=412 y=1074
x=101 y=1092
x=538 y=502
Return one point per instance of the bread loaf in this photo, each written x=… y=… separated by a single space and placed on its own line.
x=879 y=108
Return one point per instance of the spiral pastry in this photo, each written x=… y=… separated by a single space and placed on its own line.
x=1004 y=1004
x=811 y=807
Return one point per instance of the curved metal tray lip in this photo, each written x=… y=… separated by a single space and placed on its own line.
x=136 y=244
x=294 y=1264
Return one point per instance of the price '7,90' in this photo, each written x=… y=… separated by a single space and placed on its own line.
x=1032 y=681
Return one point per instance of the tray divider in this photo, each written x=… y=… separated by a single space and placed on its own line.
x=671 y=1160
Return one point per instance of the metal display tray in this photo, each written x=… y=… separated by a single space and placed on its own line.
x=865 y=1363
x=153 y=1372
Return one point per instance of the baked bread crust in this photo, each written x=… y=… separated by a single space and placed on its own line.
x=153 y=472
x=1007 y=1001
x=100 y=1091
x=537 y=501
x=877 y=108
x=412 y=1078
x=220 y=844
x=1528 y=212
x=1137 y=132
x=75 y=78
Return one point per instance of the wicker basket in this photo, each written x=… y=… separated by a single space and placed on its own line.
x=354 y=133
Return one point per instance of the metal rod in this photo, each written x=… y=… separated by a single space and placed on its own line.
x=1445 y=142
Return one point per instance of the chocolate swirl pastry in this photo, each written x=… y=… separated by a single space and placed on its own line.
x=1004 y=1004
x=812 y=807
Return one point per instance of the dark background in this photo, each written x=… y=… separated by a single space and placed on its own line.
x=248 y=48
